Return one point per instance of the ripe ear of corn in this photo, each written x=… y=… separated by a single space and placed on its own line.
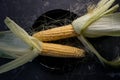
x=56 y=33
x=56 y=50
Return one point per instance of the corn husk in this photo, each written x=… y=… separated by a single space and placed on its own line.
x=26 y=51
x=22 y=34
x=11 y=46
x=100 y=21
x=90 y=47
x=108 y=25
x=81 y=24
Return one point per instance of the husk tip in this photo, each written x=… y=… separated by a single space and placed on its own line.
x=7 y=20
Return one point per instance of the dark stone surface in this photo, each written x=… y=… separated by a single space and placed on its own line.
x=25 y=12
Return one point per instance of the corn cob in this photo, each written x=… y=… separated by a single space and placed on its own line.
x=55 y=50
x=56 y=33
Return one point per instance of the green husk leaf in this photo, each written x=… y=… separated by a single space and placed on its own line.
x=102 y=3
x=111 y=10
x=18 y=62
x=115 y=62
x=81 y=24
x=21 y=33
x=99 y=22
x=108 y=25
x=12 y=46
x=22 y=57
